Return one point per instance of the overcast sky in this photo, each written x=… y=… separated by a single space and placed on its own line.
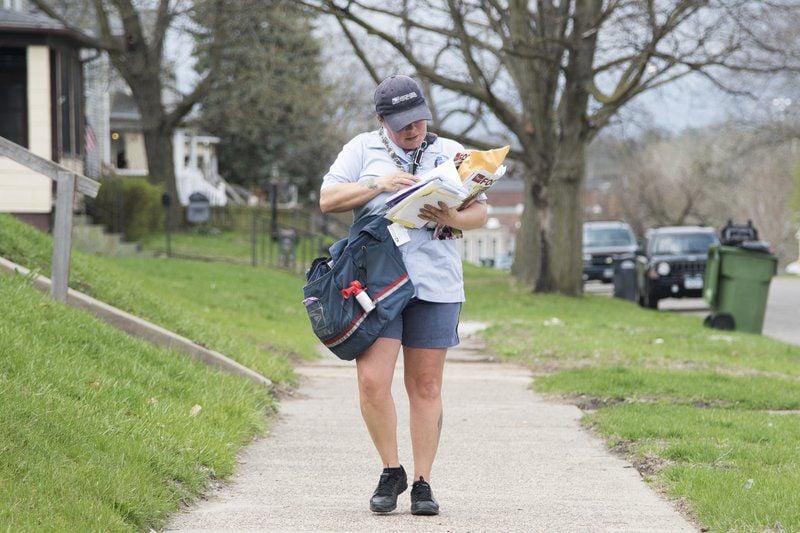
x=692 y=102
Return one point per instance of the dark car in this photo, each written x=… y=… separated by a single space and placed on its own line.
x=603 y=242
x=672 y=263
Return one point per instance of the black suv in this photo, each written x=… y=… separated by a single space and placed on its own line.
x=603 y=242
x=672 y=262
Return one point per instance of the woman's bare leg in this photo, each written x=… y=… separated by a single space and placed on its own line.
x=375 y=372
x=423 y=378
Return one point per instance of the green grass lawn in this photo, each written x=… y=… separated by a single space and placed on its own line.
x=698 y=410
x=694 y=408
x=226 y=244
x=232 y=246
x=252 y=315
x=100 y=431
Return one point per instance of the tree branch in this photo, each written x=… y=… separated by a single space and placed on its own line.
x=503 y=112
x=174 y=117
x=477 y=143
x=359 y=52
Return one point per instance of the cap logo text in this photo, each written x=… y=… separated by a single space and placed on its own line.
x=397 y=99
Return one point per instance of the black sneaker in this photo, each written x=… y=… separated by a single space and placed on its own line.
x=393 y=482
x=422 y=500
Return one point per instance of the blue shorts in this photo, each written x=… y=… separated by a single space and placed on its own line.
x=426 y=325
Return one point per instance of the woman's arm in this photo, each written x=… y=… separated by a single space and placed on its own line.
x=472 y=217
x=346 y=196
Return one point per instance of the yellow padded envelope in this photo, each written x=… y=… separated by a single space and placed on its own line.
x=482 y=160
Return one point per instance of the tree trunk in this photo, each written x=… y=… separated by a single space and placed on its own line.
x=549 y=256
x=147 y=91
x=158 y=143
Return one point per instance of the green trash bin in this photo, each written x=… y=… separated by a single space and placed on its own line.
x=736 y=287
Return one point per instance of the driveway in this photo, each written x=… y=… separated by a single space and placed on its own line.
x=782 y=320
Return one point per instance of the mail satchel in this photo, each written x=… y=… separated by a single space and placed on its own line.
x=366 y=262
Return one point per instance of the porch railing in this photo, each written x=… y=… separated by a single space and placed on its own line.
x=67 y=184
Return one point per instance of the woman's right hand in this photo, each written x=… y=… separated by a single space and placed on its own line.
x=394 y=182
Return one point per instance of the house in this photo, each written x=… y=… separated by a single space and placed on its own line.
x=194 y=152
x=41 y=106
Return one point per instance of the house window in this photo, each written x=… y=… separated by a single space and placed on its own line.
x=67 y=89
x=13 y=95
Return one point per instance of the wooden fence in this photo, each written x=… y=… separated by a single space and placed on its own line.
x=67 y=184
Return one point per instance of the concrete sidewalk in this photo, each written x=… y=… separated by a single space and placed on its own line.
x=508 y=461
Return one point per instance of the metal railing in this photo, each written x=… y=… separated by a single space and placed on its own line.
x=67 y=184
x=290 y=241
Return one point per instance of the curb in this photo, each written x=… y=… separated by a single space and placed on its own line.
x=138 y=327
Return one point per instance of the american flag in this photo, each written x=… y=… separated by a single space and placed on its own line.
x=90 y=141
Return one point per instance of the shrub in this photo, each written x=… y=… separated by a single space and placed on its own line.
x=128 y=205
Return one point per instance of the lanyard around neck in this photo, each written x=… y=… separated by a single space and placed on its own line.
x=416 y=157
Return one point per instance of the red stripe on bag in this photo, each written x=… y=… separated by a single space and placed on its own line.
x=350 y=329
x=399 y=281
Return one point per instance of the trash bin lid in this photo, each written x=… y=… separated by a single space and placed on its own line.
x=740 y=263
x=198 y=198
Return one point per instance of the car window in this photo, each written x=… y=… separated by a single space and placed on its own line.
x=608 y=237
x=682 y=243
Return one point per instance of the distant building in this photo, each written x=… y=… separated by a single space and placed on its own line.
x=194 y=152
x=41 y=106
x=493 y=245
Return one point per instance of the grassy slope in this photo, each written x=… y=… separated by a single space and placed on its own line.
x=95 y=426
x=688 y=404
x=251 y=315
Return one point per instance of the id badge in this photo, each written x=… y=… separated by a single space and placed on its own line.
x=399 y=234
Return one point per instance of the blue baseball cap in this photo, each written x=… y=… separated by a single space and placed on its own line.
x=399 y=100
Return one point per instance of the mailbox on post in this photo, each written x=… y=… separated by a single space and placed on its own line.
x=199 y=209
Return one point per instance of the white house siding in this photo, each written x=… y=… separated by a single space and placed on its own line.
x=196 y=167
x=494 y=243
x=22 y=190
x=135 y=151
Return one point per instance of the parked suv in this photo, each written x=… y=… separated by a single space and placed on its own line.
x=672 y=263
x=602 y=243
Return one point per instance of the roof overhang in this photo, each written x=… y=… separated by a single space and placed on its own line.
x=35 y=27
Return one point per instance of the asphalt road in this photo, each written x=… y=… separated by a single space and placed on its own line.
x=782 y=319
x=783 y=310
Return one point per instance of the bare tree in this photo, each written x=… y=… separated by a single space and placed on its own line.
x=137 y=52
x=552 y=74
x=678 y=181
x=710 y=176
x=764 y=195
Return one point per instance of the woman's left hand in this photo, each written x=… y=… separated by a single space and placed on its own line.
x=440 y=215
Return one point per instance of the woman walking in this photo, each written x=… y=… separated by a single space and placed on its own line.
x=368 y=169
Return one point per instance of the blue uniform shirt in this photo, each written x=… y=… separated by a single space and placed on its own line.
x=433 y=265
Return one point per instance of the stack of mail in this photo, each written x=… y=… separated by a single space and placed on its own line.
x=442 y=184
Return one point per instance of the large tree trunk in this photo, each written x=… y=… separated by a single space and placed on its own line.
x=157 y=128
x=553 y=204
x=158 y=143
x=548 y=254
